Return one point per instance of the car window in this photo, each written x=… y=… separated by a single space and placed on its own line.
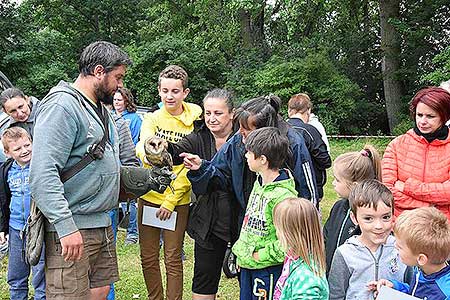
x=4 y=82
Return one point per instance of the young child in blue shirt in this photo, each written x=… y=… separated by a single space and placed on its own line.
x=14 y=211
x=423 y=242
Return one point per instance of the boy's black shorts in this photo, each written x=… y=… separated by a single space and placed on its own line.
x=208 y=266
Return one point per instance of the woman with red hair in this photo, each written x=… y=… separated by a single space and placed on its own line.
x=416 y=165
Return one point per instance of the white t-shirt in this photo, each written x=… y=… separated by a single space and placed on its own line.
x=314 y=121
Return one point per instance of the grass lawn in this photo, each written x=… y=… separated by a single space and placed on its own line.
x=131 y=284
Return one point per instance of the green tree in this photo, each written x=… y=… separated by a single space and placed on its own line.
x=441 y=70
x=12 y=29
x=40 y=60
x=331 y=49
x=85 y=21
x=390 y=45
x=204 y=67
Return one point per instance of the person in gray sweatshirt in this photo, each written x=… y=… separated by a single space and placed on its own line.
x=371 y=255
x=21 y=111
x=71 y=123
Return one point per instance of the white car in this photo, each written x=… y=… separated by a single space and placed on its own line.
x=4 y=84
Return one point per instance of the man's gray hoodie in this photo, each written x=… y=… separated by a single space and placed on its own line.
x=354 y=265
x=66 y=125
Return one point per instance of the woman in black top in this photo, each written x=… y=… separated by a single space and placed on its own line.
x=213 y=217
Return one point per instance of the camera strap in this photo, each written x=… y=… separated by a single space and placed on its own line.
x=95 y=151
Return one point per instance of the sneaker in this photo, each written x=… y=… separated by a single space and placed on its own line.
x=131 y=239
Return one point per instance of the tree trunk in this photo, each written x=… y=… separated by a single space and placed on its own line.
x=252 y=28
x=390 y=47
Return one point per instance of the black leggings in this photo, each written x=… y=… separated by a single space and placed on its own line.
x=208 y=266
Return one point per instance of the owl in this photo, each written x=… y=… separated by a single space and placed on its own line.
x=156 y=153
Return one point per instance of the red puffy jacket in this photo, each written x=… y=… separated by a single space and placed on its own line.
x=423 y=167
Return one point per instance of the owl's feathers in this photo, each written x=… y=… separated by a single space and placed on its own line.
x=156 y=153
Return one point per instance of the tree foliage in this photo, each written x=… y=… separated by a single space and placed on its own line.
x=441 y=69
x=329 y=49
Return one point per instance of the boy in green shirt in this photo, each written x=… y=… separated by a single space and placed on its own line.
x=258 y=251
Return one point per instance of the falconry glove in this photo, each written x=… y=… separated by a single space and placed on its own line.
x=135 y=181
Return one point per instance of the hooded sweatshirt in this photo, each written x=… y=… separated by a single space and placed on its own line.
x=258 y=232
x=171 y=128
x=354 y=265
x=66 y=126
x=435 y=286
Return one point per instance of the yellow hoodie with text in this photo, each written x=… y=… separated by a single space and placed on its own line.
x=171 y=128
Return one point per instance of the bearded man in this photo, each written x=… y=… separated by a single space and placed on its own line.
x=72 y=123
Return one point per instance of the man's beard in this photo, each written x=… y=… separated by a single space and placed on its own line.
x=102 y=94
x=107 y=99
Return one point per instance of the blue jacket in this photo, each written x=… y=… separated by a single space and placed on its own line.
x=317 y=149
x=229 y=165
x=431 y=287
x=134 y=123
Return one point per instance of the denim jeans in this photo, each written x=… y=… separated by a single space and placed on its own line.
x=19 y=270
x=113 y=213
x=258 y=284
x=132 y=226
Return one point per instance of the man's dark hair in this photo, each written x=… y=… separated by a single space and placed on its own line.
x=174 y=72
x=270 y=142
x=102 y=53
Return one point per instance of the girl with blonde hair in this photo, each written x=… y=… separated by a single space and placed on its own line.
x=299 y=231
x=348 y=169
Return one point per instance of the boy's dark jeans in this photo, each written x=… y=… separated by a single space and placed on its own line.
x=19 y=270
x=259 y=284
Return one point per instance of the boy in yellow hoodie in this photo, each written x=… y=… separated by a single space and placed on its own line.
x=172 y=122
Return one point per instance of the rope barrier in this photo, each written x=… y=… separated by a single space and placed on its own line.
x=362 y=136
